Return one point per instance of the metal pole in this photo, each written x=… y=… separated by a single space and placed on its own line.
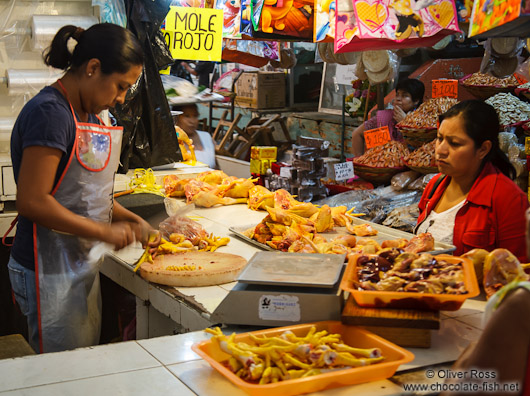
x=380 y=96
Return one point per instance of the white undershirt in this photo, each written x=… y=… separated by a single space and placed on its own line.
x=441 y=225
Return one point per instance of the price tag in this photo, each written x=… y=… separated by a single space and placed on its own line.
x=445 y=88
x=376 y=137
x=285 y=171
x=343 y=171
x=520 y=79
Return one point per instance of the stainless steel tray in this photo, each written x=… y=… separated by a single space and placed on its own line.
x=238 y=231
x=293 y=269
x=384 y=233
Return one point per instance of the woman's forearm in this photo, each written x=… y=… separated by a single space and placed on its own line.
x=49 y=213
x=357 y=141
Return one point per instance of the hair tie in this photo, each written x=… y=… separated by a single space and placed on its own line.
x=73 y=40
x=71 y=43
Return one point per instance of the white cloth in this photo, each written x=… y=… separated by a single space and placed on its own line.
x=207 y=154
x=441 y=225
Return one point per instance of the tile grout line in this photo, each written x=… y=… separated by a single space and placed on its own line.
x=167 y=368
x=80 y=379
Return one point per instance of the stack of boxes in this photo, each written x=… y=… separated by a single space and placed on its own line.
x=261 y=160
x=308 y=168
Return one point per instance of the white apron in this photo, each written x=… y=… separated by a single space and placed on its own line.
x=68 y=289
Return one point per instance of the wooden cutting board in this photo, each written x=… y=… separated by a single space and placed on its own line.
x=216 y=268
x=405 y=327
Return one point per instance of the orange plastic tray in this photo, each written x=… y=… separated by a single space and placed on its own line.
x=410 y=300
x=351 y=335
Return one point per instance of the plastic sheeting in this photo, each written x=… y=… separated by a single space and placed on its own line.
x=376 y=204
x=149 y=134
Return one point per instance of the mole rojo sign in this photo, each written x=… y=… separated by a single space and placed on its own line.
x=194 y=33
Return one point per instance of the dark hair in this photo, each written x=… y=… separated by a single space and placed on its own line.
x=414 y=87
x=116 y=48
x=481 y=123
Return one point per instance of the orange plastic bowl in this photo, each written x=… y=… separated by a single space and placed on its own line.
x=351 y=335
x=411 y=300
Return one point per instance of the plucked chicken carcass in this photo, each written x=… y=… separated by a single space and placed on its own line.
x=322 y=219
x=500 y=268
x=237 y=187
x=173 y=186
x=205 y=195
x=214 y=177
x=186 y=146
x=420 y=243
x=361 y=229
x=477 y=256
x=342 y=216
x=259 y=198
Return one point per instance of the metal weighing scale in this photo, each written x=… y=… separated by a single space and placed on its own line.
x=278 y=289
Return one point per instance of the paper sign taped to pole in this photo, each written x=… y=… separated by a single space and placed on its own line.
x=194 y=33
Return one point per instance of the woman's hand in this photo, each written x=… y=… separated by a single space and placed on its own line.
x=399 y=114
x=153 y=240
x=149 y=236
x=120 y=234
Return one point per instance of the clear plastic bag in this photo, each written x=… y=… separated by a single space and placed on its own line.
x=507 y=139
x=520 y=168
x=375 y=204
x=178 y=223
x=176 y=86
x=516 y=151
x=403 y=218
x=112 y=11
x=421 y=182
x=501 y=56
x=401 y=180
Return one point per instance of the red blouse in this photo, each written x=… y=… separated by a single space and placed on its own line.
x=493 y=215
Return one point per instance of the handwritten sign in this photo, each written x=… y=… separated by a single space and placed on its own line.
x=376 y=137
x=445 y=88
x=520 y=79
x=194 y=33
x=343 y=170
x=285 y=171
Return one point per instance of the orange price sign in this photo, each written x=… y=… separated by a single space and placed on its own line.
x=376 y=137
x=520 y=79
x=445 y=88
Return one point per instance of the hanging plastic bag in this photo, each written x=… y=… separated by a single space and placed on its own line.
x=112 y=11
x=149 y=137
x=391 y=24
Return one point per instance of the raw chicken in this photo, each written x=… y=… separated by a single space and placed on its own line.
x=420 y=243
x=500 y=268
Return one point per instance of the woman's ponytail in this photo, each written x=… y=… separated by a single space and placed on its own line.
x=61 y=50
x=115 y=47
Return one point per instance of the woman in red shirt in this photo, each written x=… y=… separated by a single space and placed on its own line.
x=473 y=202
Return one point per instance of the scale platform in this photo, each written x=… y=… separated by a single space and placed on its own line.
x=280 y=289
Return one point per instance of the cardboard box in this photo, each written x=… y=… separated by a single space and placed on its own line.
x=261 y=90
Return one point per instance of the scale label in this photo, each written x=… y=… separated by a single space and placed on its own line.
x=282 y=307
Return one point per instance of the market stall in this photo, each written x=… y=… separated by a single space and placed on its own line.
x=309 y=259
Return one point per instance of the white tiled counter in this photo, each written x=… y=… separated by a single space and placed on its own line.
x=168 y=366
x=188 y=308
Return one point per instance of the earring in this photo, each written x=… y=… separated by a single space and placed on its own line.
x=89 y=74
